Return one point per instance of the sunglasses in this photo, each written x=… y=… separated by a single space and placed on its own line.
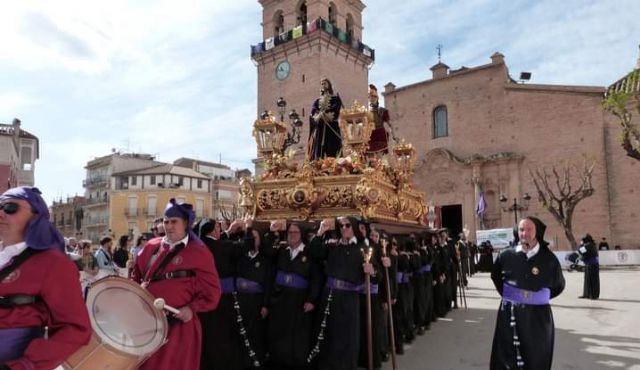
x=10 y=208
x=345 y=226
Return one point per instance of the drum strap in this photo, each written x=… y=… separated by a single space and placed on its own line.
x=17 y=261
x=17 y=299
x=157 y=274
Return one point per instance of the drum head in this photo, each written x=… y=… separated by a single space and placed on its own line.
x=122 y=316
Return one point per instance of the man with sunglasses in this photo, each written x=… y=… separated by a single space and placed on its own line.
x=43 y=319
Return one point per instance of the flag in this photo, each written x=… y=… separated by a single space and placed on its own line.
x=312 y=26
x=342 y=36
x=283 y=37
x=328 y=27
x=297 y=32
x=268 y=43
x=481 y=208
x=257 y=49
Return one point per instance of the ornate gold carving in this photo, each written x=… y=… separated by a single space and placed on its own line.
x=331 y=187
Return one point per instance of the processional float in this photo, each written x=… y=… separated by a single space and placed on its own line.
x=352 y=184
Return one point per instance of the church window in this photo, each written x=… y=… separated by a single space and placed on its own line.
x=302 y=13
x=440 y=122
x=350 y=26
x=278 y=23
x=333 y=14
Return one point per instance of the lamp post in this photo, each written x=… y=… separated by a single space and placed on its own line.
x=282 y=107
x=293 y=137
x=515 y=207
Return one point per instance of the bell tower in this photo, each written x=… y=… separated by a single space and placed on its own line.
x=304 y=41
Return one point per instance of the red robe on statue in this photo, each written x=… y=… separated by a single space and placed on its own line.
x=51 y=276
x=200 y=292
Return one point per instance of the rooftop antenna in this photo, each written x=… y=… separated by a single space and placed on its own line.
x=439 y=47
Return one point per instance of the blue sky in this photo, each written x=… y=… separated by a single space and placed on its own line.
x=175 y=78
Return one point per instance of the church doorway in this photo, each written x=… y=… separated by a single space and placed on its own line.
x=452 y=219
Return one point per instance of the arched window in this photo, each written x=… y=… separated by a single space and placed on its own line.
x=440 y=122
x=278 y=23
x=350 y=25
x=302 y=13
x=333 y=14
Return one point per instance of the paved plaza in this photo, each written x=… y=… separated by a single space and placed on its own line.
x=602 y=334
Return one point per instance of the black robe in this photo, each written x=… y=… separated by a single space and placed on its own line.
x=339 y=350
x=221 y=343
x=289 y=328
x=256 y=269
x=534 y=323
x=591 y=287
x=419 y=287
x=441 y=291
x=404 y=299
x=454 y=269
x=324 y=135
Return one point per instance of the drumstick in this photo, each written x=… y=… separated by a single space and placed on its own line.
x=161 y=305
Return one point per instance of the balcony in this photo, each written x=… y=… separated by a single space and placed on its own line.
x=311 y=27
x=100 y=201
x=94 y=181
x=150 y=212
x=96 y=221
x=132 y=212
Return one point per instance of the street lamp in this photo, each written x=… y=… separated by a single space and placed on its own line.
x=515 y=207
x=293 y=137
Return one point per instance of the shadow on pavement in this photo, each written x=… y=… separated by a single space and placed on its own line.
x=462 y=341
x=579 y=351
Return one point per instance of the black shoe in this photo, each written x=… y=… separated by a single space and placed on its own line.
x=384 y=357
x=582 y=297
x=420 y=330
x=455 y=307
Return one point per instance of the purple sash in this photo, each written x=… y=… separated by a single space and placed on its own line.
x=403 y=277
x=14 y=341
x=517 y=295
x=425 y=268
x=333 y=283
x=228 y=285
x=248 y=286
x=373 y=288
x=291 y=280
x=592 y=261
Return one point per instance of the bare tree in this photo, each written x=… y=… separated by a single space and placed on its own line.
x=621 y=100
x=560 y=189
x=229 y=212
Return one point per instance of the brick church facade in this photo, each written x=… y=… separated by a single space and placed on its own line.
x=476 y=130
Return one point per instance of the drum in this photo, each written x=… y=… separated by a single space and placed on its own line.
x=127 y=329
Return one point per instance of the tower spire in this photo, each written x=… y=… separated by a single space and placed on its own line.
x=439 y=47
